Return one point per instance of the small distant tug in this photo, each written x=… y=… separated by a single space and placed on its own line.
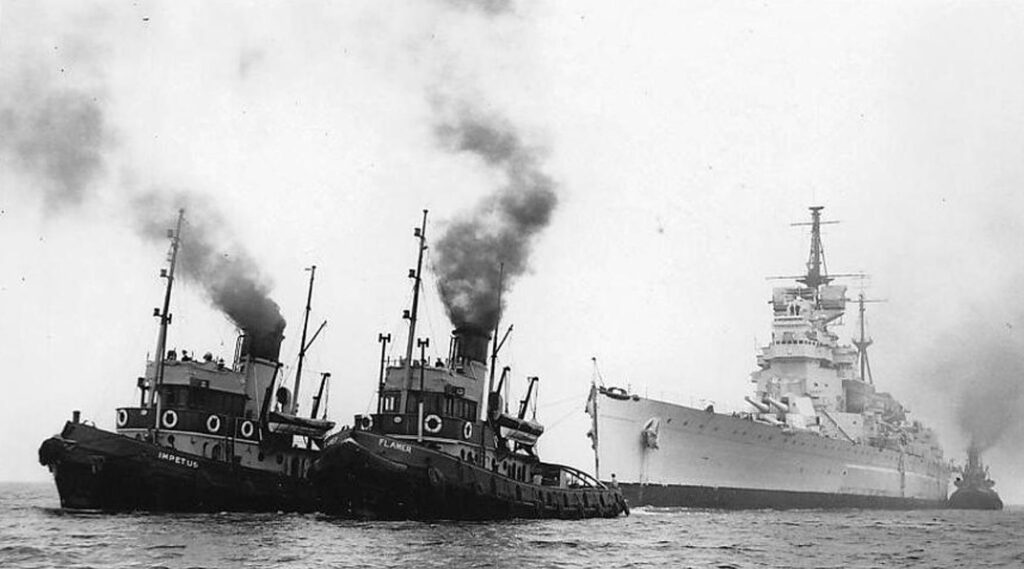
x=974 y=487
x=203 y=438
x=441 y=445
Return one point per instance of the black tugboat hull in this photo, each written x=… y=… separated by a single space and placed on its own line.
x=671 y=495
x=368 y=475
x=99 y=470
x=975 y=499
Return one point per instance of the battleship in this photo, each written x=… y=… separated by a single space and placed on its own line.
x=974 y=488
x=817 y=432
x=205 y=436
x=442 y=443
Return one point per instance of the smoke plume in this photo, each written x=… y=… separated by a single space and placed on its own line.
x=56 y=135
x=499 y=231
x=980 y=370
x=59 y=135
x=210 y=257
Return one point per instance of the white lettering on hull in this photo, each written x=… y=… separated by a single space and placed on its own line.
x=179 y=460
x=387 y=443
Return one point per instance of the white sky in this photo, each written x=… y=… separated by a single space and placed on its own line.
x=684 y=137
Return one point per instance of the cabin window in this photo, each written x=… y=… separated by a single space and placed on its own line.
x=389 y=403
x=432 y=402
x=212 y=400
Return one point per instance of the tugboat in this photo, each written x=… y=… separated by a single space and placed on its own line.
x=974 y=487
x=442 y=446
x=203 y=438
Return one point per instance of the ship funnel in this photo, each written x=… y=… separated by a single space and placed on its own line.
x=263 y=345
x=471 y=344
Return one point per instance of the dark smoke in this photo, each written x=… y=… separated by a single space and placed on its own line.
x=224 y=269
x=58 y=136
x=980 y=368
x=61 y=137
x=499 y=230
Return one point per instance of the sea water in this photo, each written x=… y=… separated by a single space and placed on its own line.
x=35 y=532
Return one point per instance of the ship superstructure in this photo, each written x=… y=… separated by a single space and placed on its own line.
x=817 y=432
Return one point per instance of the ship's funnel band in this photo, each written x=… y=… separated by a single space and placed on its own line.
x=471 y=344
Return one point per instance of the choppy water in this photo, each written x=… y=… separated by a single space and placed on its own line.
x=34 y=532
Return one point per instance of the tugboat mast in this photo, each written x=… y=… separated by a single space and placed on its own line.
x=497 y=325
x=421 y=233
x=165 y=319
x=302 y=343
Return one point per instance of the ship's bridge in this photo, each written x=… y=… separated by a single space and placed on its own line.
x=208 y=374
x=453 y=389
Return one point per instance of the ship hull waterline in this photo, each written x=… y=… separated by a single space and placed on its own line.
x=99 y=470
x=708 y=497
x=373 y=476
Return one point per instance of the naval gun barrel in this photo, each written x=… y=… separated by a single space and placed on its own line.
x=778 y=404
x=758 y=405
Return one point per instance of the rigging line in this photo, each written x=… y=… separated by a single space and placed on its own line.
x=558 y=421
x=563 y=401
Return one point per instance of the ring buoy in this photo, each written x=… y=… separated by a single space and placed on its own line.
x=617 y=393
x=432 y=424
x=169 y=419
x=247 y=429
x=467 y=430
x=213 y=423
x=122 y=417
x=366 y=422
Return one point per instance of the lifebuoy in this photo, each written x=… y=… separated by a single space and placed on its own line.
x=213 y=423
x=617 y=393
x=169 y=419
x=366 y=422
x=432 y=424
x=467 y=430
x=122 y=417
x=247 y=429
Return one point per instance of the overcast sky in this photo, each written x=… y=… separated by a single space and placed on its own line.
x=682 y=139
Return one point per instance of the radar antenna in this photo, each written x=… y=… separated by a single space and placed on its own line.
x=817 y=271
